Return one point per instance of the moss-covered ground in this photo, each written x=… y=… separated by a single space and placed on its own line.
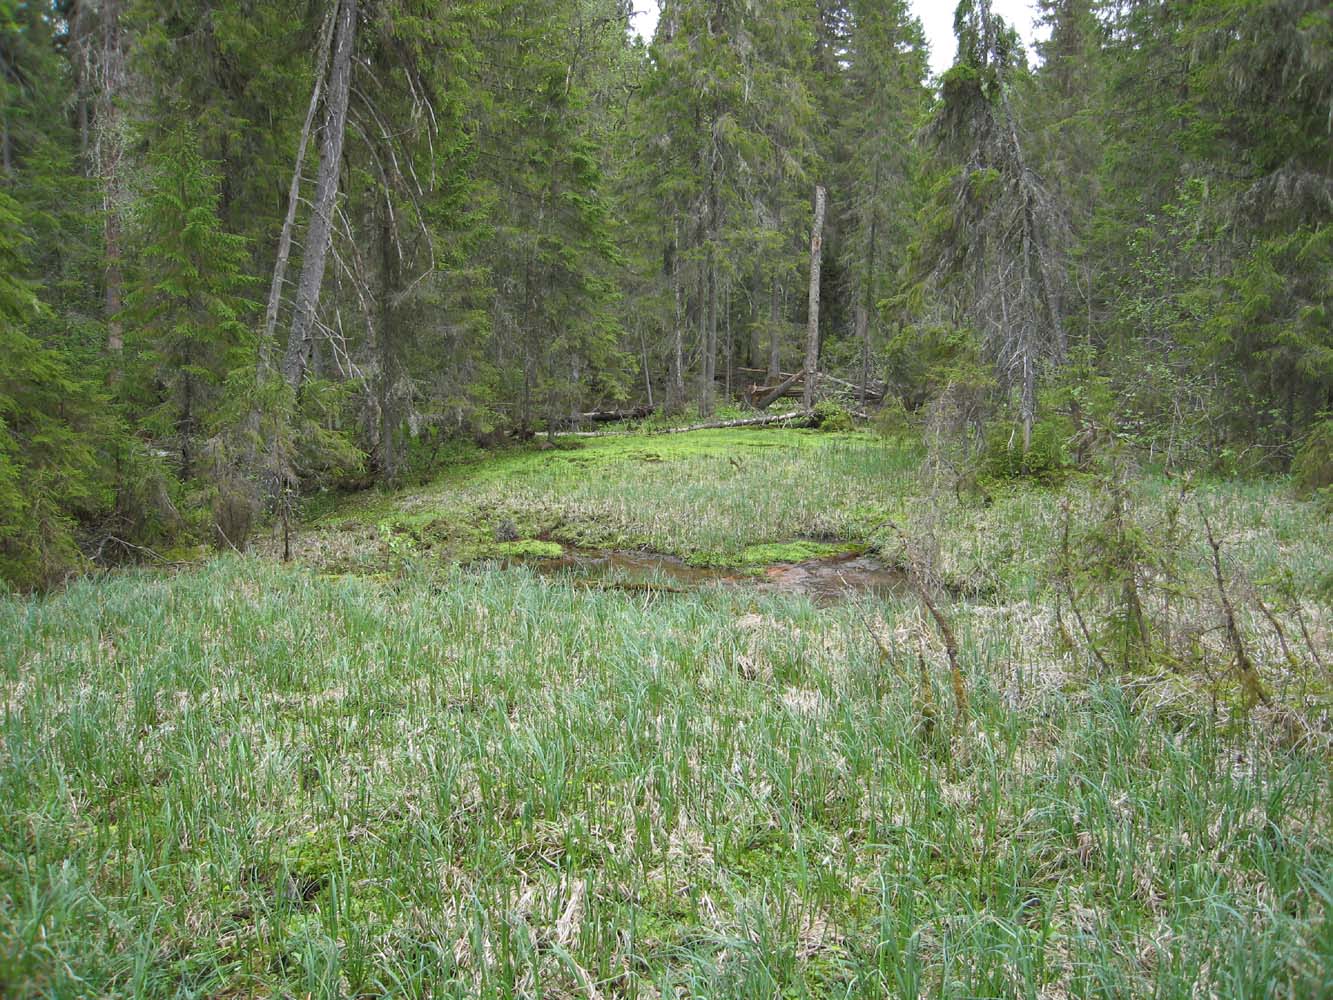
x=381 y=771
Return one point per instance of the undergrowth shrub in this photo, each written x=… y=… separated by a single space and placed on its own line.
x=892 y=420
x=1044 y=460
x=831 y=417
x=1313 y=465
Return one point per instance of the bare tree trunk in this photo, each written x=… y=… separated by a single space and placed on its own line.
x=863 y=338
x=6 y=152
x=293 y=202
x=778 y=391
x=300 y=345
x=708 y=380
x=83 y=71
x=868 y=298
x=729 y=348
x=388 y=356
x=647 y=371
x=755 y=348
x=710 y=341
x=1034 y=250
x=109 y=150
x=775 y=310
x=812 y=329
x=707 y=313
x=676 y=390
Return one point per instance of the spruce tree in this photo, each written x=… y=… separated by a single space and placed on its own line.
x=55 y=434
x=192 y=315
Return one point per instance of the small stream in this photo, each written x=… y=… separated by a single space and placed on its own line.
x=825 y=580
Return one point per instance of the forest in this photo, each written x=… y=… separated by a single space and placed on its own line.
x=496 y=505
x=253 y=250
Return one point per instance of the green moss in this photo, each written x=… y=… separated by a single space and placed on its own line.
x=529 y=548
x=794 y=552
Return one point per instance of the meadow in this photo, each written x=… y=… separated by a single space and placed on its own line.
x=400 y=766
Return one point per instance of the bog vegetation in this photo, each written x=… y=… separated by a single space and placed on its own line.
x=423 y=425
x=388 y=772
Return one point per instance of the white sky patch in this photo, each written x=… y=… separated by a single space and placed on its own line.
x=936 y=17
x=644 y=21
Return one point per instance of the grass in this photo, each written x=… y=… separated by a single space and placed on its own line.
x=442 y=780
x=706 y=497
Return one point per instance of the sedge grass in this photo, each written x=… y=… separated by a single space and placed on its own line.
x=250 y=780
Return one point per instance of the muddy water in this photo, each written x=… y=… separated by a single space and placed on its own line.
x=823 y=580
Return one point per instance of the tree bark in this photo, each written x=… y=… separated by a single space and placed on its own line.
x=708 y=383
x=812 y=328
x=775 y=311
x=319 y=235
x=109 y=150
x=729 y=344
x=797 y=418
x=867 y=302
x=612 y=416
x=676 y=390
x=863 y=338
x=6 y=154
x=386 y=342
x=755 y=348
x=709 y=380
x=293 y=202
x=777 y=392
x=647 y=371
x=776 y=418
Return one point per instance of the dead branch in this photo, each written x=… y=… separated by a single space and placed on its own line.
x=916 y=575
x=1249 y=676
x=777 y=392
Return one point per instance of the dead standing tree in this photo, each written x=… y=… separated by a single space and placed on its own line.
x=319 y=234
x=1003 y=252
x=812 y=331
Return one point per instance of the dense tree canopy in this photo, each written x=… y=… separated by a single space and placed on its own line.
x=487 y=218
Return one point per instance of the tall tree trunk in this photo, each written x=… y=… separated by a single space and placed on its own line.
x=676 y=389
x=775 y=311
x=863 y=338
x=647 y=371
x=109 y=150
x=729 y=348
x=6 y=150
x=185 y=426
x=6 y=154
x=300 y=344
x=708 y=379
x=812 y=329
x=755 y=347
x=293 y=202
x=82 y=67
x=867 y=302
x=387 y=457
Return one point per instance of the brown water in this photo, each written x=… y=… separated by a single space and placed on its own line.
x=824 y=580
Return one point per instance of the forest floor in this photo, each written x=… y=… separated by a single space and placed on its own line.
x=410 y=764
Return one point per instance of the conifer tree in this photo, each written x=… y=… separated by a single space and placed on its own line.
x=879 y=173
x=1002 y=253
x=192 y=315
x=54 y=432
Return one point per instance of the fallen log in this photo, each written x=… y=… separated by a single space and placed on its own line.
x=797 y=417
x=611 y=416
x=772 y=394
x=875 y=389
